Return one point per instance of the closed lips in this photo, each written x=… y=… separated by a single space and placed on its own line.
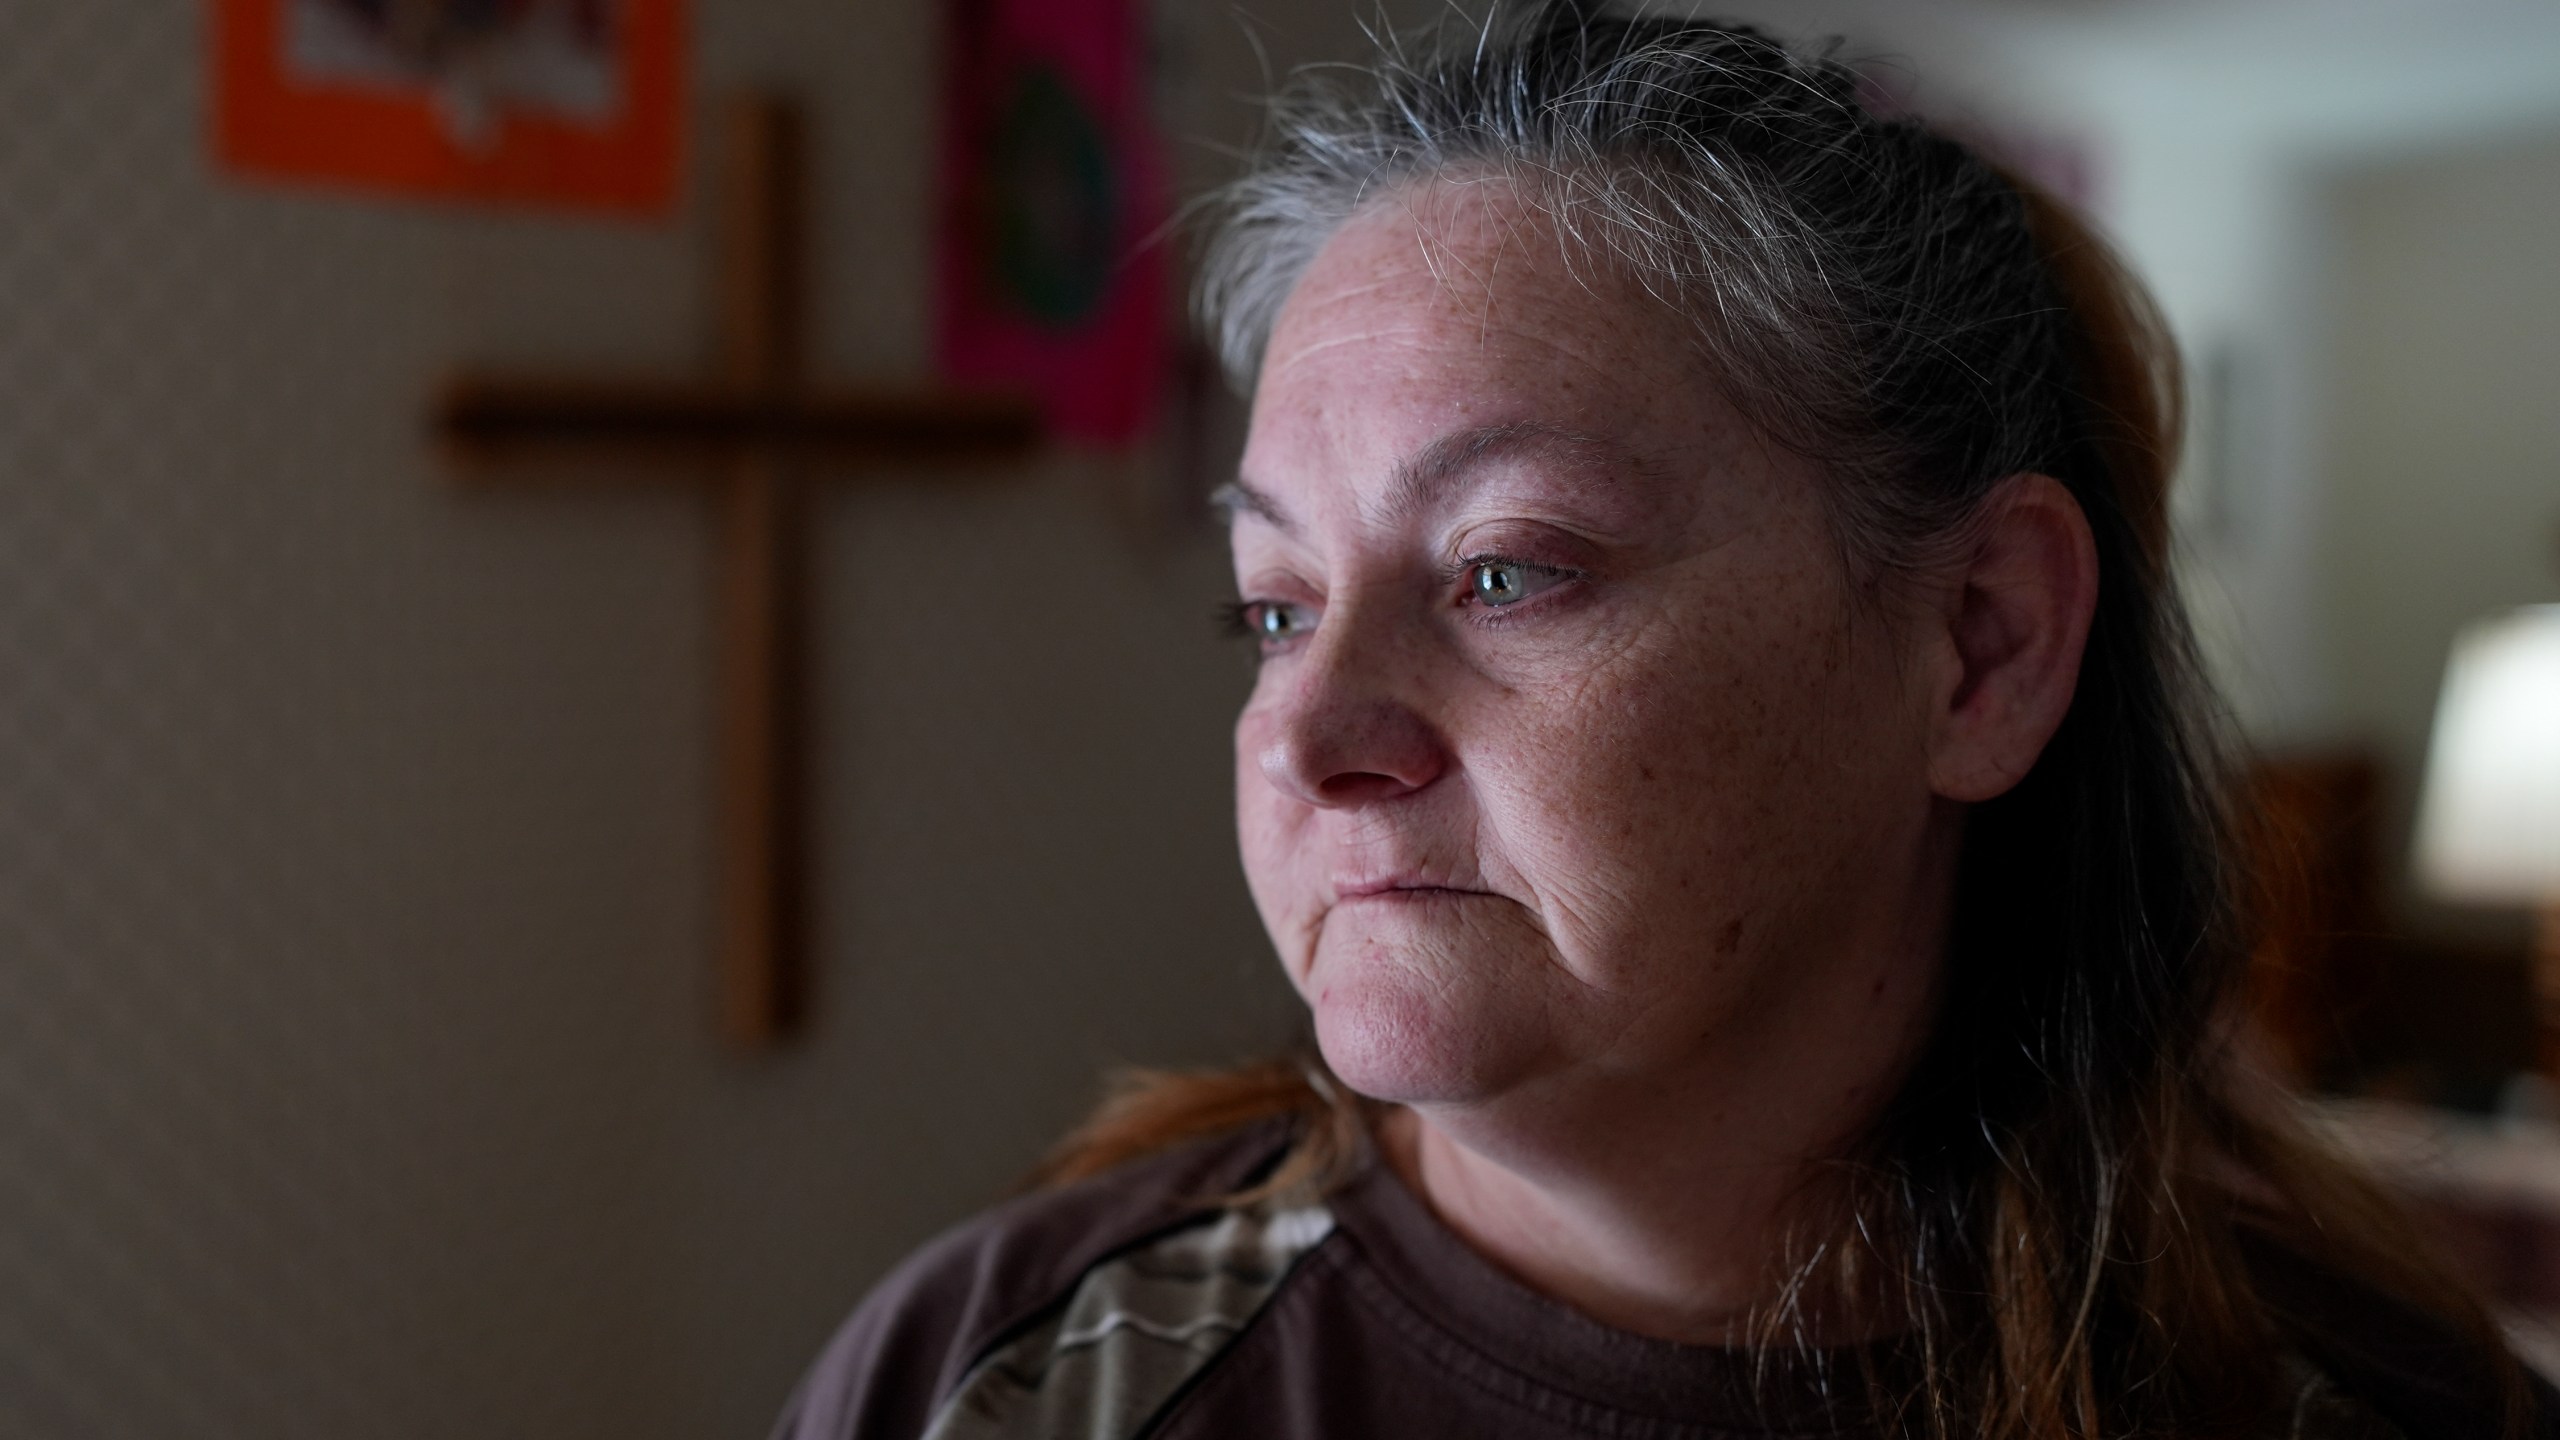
x=1400 y=886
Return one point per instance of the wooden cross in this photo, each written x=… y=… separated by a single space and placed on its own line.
x=752 y=427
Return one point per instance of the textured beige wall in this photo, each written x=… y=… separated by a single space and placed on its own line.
x=2442 y=426
x=354 y=1069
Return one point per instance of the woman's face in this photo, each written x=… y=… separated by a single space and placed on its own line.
x=1573 y=754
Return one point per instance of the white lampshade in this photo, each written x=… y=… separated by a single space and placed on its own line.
x=2489 y=819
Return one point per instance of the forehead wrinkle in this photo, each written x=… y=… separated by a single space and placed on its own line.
x=1298 y=353
x=1457 y=258
x=1445 y=254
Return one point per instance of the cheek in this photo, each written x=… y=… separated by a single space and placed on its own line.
x=1273 y=834
x=1687 y=794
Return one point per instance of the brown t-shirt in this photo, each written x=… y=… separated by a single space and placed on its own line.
x=1132 y=1305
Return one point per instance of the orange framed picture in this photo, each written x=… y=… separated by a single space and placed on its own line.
x=575 y=103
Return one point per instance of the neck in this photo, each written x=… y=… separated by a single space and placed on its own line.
x=1682 y=1265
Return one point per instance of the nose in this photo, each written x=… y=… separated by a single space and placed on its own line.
x=1340 y=736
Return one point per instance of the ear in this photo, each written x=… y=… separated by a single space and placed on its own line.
x=2016 y=618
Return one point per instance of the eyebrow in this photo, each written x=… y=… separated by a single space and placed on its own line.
x=1427 y=478
x=1238 y=498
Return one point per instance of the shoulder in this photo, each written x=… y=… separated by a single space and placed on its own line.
x=1008 y=1280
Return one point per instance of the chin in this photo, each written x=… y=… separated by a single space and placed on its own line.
x=1400 y=1027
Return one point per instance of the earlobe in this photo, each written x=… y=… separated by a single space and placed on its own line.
x=2017 y=621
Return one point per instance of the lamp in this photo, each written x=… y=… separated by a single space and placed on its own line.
x=2489 y=816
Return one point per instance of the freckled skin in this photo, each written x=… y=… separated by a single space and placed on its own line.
x=1685 y=812
x=1672 y=776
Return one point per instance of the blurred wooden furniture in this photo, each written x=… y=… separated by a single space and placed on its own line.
x=2311 y=877
x=749 y=428
x=2343 y=999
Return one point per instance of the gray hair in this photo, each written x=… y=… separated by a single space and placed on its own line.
x=1869 y=290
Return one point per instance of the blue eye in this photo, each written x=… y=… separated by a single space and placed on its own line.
x=1279 y=622
x=1269 y=623
x=1497 y=582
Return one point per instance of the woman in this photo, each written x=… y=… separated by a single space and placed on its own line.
x=1724 y=775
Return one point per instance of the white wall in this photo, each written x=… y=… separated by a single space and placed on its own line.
x=2221 y=124
x=2444 y=454
x=2445 y=285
